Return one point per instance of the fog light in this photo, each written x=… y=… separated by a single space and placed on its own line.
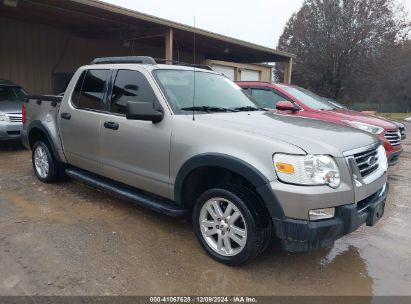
x=321 y=214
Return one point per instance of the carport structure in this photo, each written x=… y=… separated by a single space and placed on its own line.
x=44 y=41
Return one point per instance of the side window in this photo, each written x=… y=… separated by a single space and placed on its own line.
x=92 y=90
x=75 y=97
x=266 y=98
x=130 y=86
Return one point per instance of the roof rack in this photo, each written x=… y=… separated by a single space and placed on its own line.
x=175 y=62
x=146 y=60
x=124 y=59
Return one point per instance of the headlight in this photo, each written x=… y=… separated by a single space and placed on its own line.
x=4 y=118
x=364 y=126
x=307 y=169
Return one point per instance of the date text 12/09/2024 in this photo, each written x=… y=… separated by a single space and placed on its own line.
x=207 y=299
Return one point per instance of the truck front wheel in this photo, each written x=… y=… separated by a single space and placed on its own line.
x=227 y=227
x=45 y=166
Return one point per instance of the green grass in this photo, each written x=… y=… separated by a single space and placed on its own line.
x=395 y=116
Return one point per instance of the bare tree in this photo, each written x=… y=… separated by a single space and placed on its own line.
x=392 y=81
x=339 y=43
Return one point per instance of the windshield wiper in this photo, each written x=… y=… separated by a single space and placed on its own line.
x=208 y=109
x=249 y=108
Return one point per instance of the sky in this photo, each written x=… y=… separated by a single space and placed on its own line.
x=258 y=21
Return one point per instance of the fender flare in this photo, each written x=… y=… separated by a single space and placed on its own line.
x=37 y=124
x=236 y=165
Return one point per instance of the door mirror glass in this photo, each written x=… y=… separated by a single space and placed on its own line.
x=286 y=105
x=143 y=111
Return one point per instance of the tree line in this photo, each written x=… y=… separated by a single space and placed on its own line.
x=355 y=51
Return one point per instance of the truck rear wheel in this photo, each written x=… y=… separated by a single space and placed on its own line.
x=45 y=166
x=227 y=227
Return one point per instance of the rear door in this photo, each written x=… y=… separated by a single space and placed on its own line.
x=80 y=120
x=135 y=152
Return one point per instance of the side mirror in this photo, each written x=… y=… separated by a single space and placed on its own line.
x=286 y=105
x=143 y=111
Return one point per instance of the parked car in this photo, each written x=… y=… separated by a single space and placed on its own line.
x=296 y=101
x=400 y=125
x=143 y=131
x=11 y=101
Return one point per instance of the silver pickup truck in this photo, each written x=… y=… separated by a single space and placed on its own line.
x=187 y=141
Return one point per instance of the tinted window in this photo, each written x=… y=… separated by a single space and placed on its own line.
x=92 y=90
x=75 y=97
x=266 y=98
x=130 y=86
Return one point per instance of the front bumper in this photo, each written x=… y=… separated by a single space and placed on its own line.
x=393 y=157
x=301 y=235
x=10 y=131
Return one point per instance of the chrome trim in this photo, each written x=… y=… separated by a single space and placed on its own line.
x=14 y=117
x=362 y=149
x=357 y=177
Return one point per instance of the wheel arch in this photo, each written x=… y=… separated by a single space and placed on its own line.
x=37 y=131
x=239 y=167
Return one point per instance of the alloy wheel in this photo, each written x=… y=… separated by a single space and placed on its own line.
x=41 y=162
x=223 y=226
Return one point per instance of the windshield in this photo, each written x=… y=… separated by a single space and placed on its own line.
x=308 y=98
x=213 y=92
x=11 y=93
x=336 y=104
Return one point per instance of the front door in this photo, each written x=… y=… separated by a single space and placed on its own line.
x=135 y=152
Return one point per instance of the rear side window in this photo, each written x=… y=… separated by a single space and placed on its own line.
x=266 y=98
x=89 y=90
x=130 y=86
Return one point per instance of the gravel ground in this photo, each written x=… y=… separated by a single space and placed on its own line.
x=69 y=239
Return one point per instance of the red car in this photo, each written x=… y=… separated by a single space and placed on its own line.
x=293 y=100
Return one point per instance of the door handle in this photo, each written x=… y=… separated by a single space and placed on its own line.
x=66 y=116
x=111 y=125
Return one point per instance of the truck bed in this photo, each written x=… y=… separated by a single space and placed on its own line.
x=42 y=112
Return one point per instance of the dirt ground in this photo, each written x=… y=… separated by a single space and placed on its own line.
x=69 y=239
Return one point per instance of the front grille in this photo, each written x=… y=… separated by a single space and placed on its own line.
x=394 y=137
x=14 y=117
x=367 y=161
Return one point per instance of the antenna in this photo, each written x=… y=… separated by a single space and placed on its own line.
x=194 y=69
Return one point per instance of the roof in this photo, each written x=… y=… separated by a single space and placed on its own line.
x=91 y=17
x=148 y=67
x=8 y=83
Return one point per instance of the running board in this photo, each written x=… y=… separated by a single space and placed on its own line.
x=129 y=193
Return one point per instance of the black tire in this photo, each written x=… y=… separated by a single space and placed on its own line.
x=257 y=224
x=55 y=169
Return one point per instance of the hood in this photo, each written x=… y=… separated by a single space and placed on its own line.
x=346 y=114
x=312 y=135
x=11 y=106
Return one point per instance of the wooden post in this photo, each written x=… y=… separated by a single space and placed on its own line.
x=169 y=47
x=287 y=71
